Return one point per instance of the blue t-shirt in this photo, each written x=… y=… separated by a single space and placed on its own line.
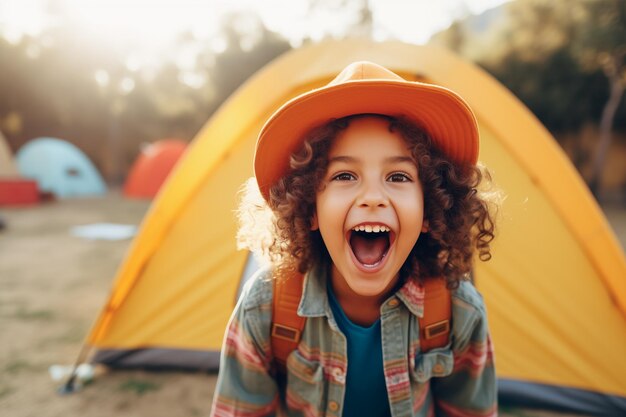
x=366 y=393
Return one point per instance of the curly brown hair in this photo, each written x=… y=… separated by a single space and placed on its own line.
x=460 y=220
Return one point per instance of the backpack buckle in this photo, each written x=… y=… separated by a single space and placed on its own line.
x=437 y=329
x=285 y=332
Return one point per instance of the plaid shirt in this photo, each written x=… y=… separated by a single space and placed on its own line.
x=456 y=380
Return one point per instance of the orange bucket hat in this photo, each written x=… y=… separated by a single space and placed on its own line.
x=365 y=87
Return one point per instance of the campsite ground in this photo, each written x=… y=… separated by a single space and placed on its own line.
x=51 y=287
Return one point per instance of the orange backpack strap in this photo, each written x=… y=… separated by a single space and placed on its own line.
x=287 y=326
x=435 y=324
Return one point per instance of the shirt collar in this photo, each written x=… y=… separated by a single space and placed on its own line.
x=314 y=302
x=412 y=295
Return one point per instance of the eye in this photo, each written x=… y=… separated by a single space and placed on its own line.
x=399 y=177
x=343 y=176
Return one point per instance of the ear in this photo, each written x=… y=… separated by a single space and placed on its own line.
x=425 y=226
x=314 y=223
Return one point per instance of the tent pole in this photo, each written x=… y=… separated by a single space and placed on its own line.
x=69 y=387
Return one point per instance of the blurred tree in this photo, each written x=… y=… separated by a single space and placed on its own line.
x=52 y=90
x=535 y=60
x=556 y=56
x=70 y=85
x=454 y=37
x=601 y=43
x=249 y=45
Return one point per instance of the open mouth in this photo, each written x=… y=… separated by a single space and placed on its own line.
x=370 y=243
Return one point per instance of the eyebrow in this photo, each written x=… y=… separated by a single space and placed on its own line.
x=392 y=159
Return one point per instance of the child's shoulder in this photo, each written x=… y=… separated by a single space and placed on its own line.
x=258 y=290
x=469 y=317
x=467 y=297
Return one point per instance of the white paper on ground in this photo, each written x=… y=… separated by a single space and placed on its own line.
x=84 y=372
x=104 y=231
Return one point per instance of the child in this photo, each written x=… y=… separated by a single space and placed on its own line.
x=368 y=188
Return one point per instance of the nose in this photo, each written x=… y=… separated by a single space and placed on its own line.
x=373 y=195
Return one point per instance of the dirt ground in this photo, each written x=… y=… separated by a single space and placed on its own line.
x=52 y=285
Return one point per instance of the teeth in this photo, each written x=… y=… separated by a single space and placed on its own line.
x=371 y=229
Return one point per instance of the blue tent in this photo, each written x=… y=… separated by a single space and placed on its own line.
x=59 y=167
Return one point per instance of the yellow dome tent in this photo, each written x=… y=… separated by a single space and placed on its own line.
x=555 y=288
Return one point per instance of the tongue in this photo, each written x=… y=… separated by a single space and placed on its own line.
x=369 y=250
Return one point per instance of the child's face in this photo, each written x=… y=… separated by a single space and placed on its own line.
x=372 y=184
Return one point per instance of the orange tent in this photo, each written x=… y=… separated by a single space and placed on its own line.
x=152 y=167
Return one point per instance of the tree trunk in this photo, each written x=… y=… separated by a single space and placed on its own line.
x=606 y=125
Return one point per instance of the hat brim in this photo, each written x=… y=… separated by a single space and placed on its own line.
x=441 y=112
